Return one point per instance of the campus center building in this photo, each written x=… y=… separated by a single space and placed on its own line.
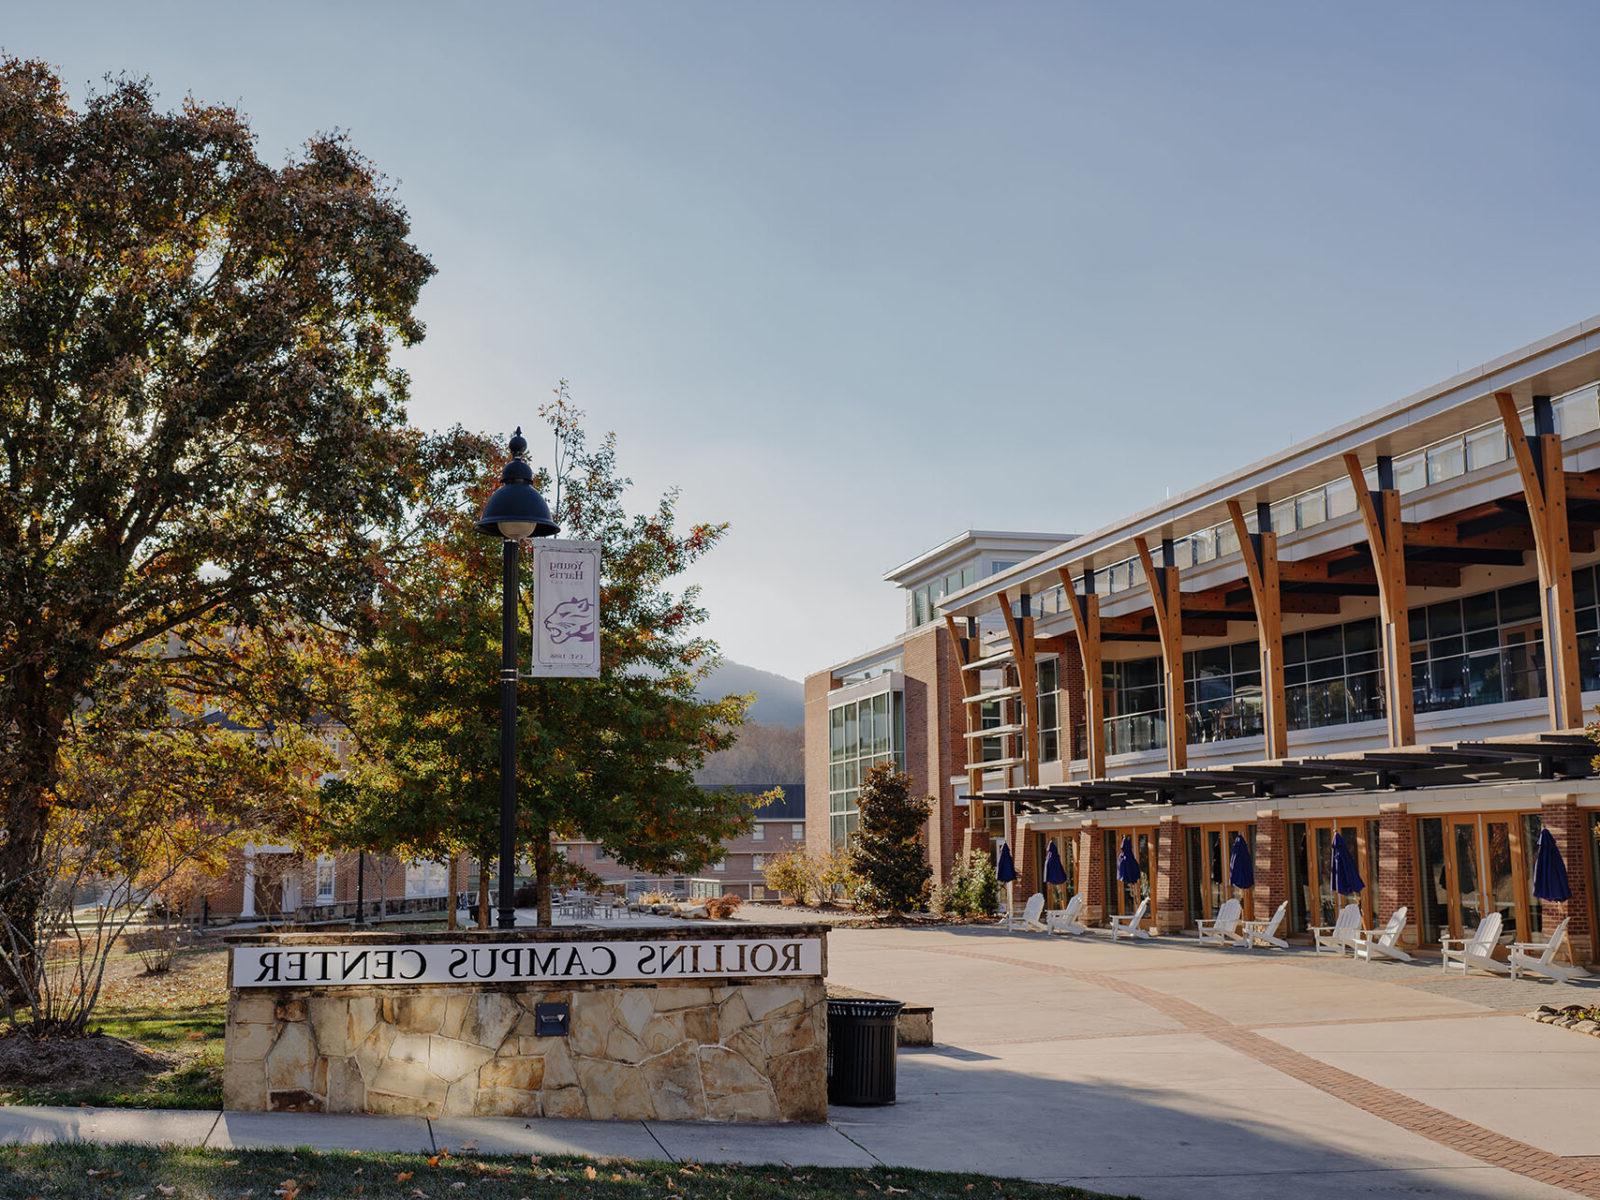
x=1390 y=631
x=902 y=703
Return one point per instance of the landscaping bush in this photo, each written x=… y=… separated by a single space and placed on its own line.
x=722 y=907
x=155 y=945
x=791 y=874
x=974 y=890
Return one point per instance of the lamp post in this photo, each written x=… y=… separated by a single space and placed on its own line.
x=515 y=511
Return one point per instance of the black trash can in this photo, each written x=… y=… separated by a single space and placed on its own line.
x=861 y=1047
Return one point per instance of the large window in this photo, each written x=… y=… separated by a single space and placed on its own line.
x=925 y=599
x=1483 y=649
x=861 y=734
x=1135 y=697
x=1049 y=672
x=1333 y=675
x=1222 y=692
x=325 y=879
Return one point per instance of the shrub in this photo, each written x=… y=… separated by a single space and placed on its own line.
x=722 y=907
x=974 y=890
x=791 y=874
x=888 y=856
x=155 y=945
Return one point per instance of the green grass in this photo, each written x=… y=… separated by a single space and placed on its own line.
x=82 y=1172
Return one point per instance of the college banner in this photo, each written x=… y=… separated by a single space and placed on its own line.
x=566 y=609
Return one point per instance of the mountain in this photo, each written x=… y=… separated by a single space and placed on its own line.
x=779 y=699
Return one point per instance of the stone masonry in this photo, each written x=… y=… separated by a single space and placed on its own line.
x=688 y=1050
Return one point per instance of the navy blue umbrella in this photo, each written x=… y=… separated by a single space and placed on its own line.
x=1128 y=863
x=1549 y=871
x=1005 y=870
x=1344 y=876
x=1054 y=872
x=1241 y=867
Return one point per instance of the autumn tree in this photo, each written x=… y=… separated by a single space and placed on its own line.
x=888 y=855
x=610 y=759
x=200 y=418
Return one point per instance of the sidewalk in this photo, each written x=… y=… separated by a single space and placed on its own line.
x=791 y=1145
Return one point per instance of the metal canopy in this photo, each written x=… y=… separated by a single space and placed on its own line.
x=1547 y=756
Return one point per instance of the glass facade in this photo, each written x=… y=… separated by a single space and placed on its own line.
x=1222 y=692
x=1049 y=672
x=925 y=599
x=861 y=734
x=1334 y=675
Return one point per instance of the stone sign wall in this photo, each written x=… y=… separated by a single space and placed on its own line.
x=725 y=1049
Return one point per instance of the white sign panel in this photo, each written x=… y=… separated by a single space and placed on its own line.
x=519 y=962
x=566 y=609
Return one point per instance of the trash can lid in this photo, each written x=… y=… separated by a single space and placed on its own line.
x=864 y=1008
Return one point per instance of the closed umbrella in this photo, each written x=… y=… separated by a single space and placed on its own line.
x=1054 y=872
x=1345 y=878
x=1241 y=867
x=1550 y=871
x=1005 y=871
x=1128 y=862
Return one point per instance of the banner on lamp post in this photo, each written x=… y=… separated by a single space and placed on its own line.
x=566 y=609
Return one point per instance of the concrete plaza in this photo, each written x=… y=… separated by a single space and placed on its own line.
x=1158 y=1069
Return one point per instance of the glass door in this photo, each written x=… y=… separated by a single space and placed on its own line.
x=1472 y=866
x=1311 y=894
x=1122 y=899
x=1209 y=858
x=1056 y=895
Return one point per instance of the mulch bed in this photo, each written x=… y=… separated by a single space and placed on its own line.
x=71 y=1063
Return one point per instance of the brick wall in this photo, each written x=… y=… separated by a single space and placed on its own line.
x=817 y=687
x=1092 y=873
x=1568 y=825
x=1397 y=875
x=1170 y=902
x=1271 y=863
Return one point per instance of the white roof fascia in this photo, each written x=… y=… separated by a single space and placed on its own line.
x=1555 y=365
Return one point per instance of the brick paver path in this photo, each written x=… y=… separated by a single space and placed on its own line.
x=1580 y=1176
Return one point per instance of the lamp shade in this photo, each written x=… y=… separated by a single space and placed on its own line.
x=517 y=510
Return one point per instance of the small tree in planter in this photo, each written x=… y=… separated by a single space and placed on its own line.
x=888 y=856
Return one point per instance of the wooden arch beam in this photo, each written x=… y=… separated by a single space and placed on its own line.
x=1544 y=483
x=1380 y=515
x=1260 y=553
x=1085 y=610
x=1167 y=600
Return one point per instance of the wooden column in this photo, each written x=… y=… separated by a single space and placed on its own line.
x=1544 y=482
x=1086 y=622
x=1380 y=514
x=966 y=646
x=1260 y=552
x=1167 y=599
x=1020 y=630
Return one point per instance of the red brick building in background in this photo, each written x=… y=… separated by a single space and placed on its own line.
x=779 y=827
x=903 y=703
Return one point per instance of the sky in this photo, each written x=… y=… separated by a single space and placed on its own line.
x=856 y=277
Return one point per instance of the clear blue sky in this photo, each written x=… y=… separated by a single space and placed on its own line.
x=860 y=276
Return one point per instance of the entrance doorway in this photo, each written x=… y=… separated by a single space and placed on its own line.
x=1056 y=895
x=1472 y=865
x=1312 y=900
x=1208 y=853
x=1122 y=899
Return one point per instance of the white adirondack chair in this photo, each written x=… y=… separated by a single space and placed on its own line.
x=1032 y=911
x=1065 y=920
x=1223 y=929
x=1539 y=958
x=1383 y=943
x=1475 y=951
x=1336 y=937
x=1131 y=925
x=1265 y=933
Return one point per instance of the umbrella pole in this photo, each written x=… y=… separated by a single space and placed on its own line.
x=1011 y=905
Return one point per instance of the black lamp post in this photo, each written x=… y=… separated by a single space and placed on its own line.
x=515 y=511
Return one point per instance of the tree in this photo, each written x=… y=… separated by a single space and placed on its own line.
x=611 y=759
x=152 y=791
x=888 y=856
x=199 y=415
